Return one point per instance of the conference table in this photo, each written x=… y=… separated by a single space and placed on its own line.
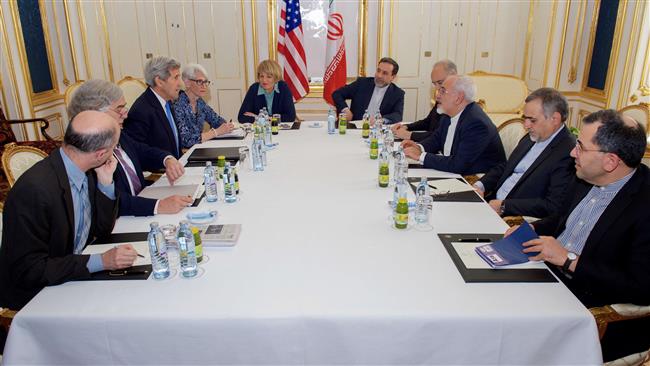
x=318 y=276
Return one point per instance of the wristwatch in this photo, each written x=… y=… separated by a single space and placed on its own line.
x=502 y=208
x=570 y=257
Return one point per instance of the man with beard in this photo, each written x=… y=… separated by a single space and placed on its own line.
x=56 y=208
x=377 y=94
x=419 y=130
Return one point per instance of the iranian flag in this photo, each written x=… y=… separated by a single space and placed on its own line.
x=335 y=72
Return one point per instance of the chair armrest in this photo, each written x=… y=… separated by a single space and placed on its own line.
x=609 y=314
x=6 y=316
x=44 y=125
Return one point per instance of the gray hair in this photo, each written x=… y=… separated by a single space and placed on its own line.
x=552 y=101
x=159 y=66
x=448 y=65
x=617 y=137
x=88 y=142
x=465 y=85
x=190 y=70
x=93 y=95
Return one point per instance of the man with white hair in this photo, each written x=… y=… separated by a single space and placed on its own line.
x=420 y=130
x=467 y=141
x=151 y=118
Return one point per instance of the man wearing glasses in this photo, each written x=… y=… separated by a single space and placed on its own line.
x=599 y=241
x=419 y=130
x=467 y=141
x=534 y=180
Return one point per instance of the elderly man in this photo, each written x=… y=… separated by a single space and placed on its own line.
x=419 y=130
x=377 y=94
x=466 y=141
x=534 y=181
x=132 y=156
x=151 y=118
x=598 y=243
x=56 y=208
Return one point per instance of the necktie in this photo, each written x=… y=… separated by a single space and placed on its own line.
x=172 y=125
x=133 y=178
x=86 y=220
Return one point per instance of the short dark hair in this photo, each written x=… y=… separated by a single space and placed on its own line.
x=617 y=137
x=388 y=60
x=552 y=101
x=88 y=142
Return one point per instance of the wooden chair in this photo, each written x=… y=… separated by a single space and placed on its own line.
x=501 y=96
x=510 y=133
x=608 y=314
x=132 y=88
x=16 y=160
x=641 y=113
x=69 y=91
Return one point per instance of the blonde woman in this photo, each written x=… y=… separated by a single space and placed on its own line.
x=269 y=92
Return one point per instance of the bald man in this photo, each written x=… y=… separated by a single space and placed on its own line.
x=56 y=208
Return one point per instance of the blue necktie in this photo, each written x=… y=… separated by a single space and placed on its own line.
x=85 y=221
x=168 y=112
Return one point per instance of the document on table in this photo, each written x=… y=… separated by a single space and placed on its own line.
x=467 y=253
x=186 y=179
x=141 y=247
x=166 y=191
x=451 y=185
x=236 y=133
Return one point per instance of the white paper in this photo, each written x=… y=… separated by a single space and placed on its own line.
x=140 y=246
x=237 y=132
x=186 y=179
x=166 y=191
x=467 y=253
x=448 y=185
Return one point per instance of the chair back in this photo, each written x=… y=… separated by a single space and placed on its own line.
x=500 y=93
x=69 y=91
x=510 y=133
x=17 y=159
x=132 y=88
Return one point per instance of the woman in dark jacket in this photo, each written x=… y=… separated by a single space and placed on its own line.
x=268 y=92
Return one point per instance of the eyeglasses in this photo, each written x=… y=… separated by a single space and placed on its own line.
x=438 y=83
x=442 y=90
x=202 y=82
x=580 y=149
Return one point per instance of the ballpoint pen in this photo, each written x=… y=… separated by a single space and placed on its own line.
x=474 y=240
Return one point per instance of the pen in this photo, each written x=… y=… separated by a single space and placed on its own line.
x=124 y=272
x=140 y=255
x=474 y=240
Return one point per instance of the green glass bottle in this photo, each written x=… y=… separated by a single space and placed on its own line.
x=198 y=246
x=401 y=215
x=221 y=164
x=374 y=147
x=275 y=124
x=343 y=124
x=365 y=132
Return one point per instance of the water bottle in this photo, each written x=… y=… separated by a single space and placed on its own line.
x=331 y=121
x=268 y=133
x=229 y=184
x=400 y=167
x=379 y=122
x=256 y=149
x=210 y=182
x=158 y=252
x=384 y=171
x=365 y=132
x=186 y=250
x=389 y=140
x=421 y=208
x=423 y=188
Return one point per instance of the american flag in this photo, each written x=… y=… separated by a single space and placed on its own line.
x=291 y=54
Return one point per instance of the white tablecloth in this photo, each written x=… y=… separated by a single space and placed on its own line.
x=318 y=277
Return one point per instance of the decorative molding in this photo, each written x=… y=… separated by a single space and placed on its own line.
x=66 y=81
x=529 y=34
x=107 y=42
x=380 y=30
x=272 y=27
x=561 y=56
x=84 y=38
x=577 y=37
x=644 y=83
x=73 y=53
x=549 y=42
x=5 y=39
x=256 y=56
x=243 y=31
x=363 y=30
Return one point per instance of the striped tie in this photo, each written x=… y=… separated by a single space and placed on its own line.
x=86 y=220
x=133 y=178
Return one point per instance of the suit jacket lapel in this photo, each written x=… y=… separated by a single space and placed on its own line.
x=369 y=86
x=459 y=126
x=520 y=151
x=155 y=104
x=66 y=194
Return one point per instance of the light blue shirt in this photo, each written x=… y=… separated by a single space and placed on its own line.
x=77 y=180
x=268 y=96
x=583 y=218
x=523 y=165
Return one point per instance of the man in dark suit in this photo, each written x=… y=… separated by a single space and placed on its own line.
x=467 y=141
x=419 y=130
x=56 y=208
x=602 y=250
x=377 y=94
x=132 y=156
x=151 y=118
x=534 y=181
